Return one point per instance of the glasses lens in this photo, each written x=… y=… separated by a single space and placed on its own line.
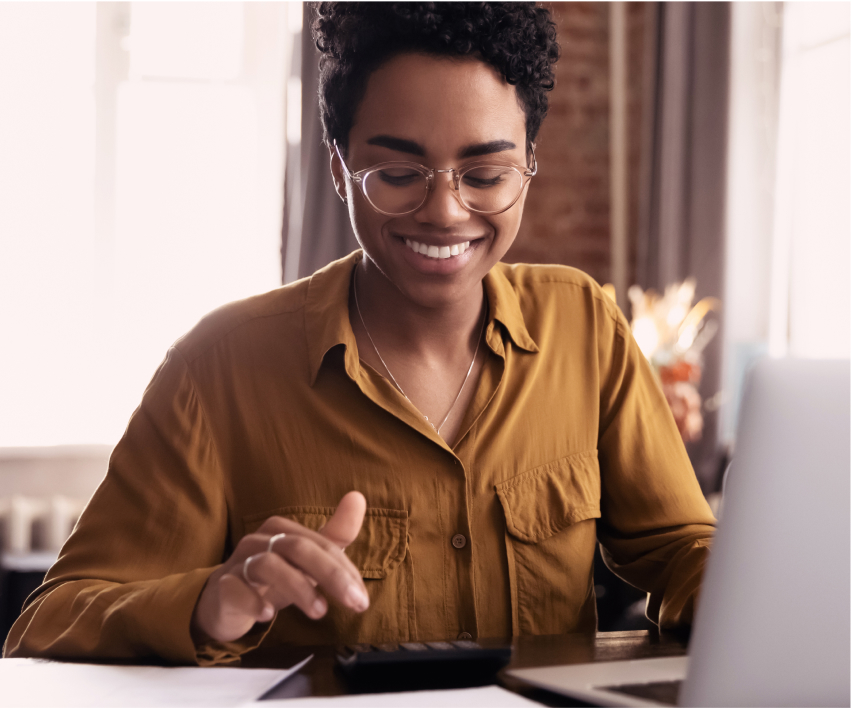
x=395 y=189
x=490 y=187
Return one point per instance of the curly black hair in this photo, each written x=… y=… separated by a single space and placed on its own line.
x=517 y=38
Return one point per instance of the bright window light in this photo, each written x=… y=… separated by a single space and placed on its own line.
x=811 y=283
x=193 y=207
x=47 y=131
x=186 y=40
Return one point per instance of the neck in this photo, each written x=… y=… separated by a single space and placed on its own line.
x=432 y=332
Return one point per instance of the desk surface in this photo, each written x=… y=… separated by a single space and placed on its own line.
x=318 y=678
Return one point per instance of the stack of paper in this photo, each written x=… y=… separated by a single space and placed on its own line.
x=35 y=683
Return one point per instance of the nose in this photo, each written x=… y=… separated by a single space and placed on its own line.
x=442 y=207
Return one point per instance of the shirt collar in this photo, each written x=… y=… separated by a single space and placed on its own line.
x=505 y=307
x=327 y=312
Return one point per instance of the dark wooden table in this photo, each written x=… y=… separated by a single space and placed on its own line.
x=319 y=677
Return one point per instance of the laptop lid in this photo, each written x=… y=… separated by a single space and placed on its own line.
x=772 y=626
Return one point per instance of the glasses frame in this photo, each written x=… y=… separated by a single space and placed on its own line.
x=526 y=174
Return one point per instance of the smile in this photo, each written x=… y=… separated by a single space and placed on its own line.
x=437 y=252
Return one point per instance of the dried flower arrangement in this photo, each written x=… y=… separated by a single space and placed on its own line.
x=672 y=335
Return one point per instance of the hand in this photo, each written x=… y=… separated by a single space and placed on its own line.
x=300 y=564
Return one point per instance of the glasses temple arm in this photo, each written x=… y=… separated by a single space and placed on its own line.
x=343 y=163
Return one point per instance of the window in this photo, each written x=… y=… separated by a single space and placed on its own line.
x=788 y=282
x=141 y=185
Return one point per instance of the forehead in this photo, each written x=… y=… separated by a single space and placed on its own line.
x=439 y=102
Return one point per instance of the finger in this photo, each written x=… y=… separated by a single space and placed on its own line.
x=327 y=568
x=286 y=585
x=344 y=526
x=250 y=545
x=277 y=524
x=238 y=608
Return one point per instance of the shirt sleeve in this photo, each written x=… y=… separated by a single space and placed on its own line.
x=656 y=527
x=127 y=580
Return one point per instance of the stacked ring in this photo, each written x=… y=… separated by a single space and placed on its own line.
x=272 y=541
x=269 y=549
x=245 y=577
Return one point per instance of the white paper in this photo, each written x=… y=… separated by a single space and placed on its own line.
x=35 y=683
x=485 y=697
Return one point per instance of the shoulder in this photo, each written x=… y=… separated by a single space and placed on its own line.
x=548 y=286
x=236 y=317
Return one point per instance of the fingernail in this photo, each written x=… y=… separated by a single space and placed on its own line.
x=267 y=613
x=319 y=607
x=356 y=598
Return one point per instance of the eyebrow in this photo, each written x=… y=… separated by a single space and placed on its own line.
x=413 y=148
x=487 y=148
x=397 y=144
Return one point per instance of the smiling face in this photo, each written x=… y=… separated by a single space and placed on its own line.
x=440 y=112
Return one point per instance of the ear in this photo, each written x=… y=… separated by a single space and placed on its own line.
x=338 y=174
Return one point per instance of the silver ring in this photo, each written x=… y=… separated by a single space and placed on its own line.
x=272 y=541
x=245 y=577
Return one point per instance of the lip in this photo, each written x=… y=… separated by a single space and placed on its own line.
x=437 y=266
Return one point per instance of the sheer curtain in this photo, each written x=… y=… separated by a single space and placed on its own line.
x=682 y=222
x=318 y=228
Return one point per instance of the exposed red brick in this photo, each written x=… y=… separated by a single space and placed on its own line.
x=567 y=210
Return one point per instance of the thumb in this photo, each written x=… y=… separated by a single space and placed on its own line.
x=343 y=527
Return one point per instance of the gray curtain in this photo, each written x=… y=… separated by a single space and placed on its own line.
x=682 y=213
x=323 y=231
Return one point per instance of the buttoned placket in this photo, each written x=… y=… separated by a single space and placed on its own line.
x=460 y=589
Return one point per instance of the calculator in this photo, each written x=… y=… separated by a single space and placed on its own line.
x=412 y=665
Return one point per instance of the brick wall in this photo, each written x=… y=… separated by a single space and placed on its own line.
x=567 y=210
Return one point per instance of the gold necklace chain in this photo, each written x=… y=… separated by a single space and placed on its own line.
x=393 y=378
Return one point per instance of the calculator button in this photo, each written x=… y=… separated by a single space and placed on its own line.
x=359 y=648
x=414 y=646
x=386 y=647
x=466 y=644
x=442 y=646
x=459 y=541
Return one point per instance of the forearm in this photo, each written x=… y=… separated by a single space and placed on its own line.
x=92 y=619
x=668 y=566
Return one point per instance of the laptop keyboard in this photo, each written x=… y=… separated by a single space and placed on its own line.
x=661 y=691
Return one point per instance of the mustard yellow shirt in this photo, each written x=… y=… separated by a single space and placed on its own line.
x=264 y=408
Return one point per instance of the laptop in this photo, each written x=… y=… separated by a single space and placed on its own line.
x=772 y=624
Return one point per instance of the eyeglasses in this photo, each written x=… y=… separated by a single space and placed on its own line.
x=399 y=188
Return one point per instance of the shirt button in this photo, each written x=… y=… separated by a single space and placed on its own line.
x=459 y=541
x=465 y=635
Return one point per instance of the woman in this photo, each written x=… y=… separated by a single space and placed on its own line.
x=483 y=424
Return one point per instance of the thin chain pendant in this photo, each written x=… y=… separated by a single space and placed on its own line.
x=393 y=378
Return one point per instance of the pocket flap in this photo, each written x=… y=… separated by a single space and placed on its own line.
x=547 y=499
x=379 y=547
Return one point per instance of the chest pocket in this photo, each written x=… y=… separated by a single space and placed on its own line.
x=380 y=553
x=550 y=541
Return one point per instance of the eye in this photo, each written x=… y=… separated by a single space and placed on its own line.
x=398 y=176
x=486 y=176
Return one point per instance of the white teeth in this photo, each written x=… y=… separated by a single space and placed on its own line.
x=437 y=251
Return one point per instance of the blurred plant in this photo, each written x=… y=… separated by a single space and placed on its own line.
x=672 y=335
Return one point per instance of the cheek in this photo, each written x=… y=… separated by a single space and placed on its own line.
x=366 y=222
x=507 y=225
